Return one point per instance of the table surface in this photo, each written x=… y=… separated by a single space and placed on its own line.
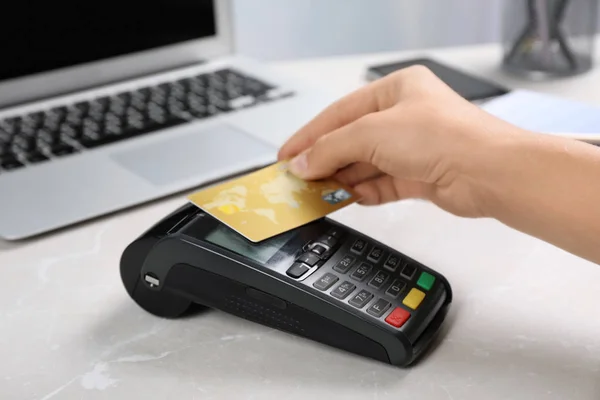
x=523 y=325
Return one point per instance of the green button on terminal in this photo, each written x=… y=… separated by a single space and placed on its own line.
x=426 y=280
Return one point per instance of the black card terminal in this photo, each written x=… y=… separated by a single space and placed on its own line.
x=323 y=281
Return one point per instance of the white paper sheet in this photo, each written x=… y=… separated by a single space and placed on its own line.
x=545 y=113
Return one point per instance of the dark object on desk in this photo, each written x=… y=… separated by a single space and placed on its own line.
x=468 y=86
x=357 y=295
x=536 y=41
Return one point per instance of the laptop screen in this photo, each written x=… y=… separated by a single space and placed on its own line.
x=39 y=36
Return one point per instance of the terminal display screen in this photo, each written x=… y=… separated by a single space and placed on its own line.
x=260 y=252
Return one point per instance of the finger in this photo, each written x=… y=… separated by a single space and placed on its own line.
x=363 y=101
x=357 y=173
x=387 y=189
x=345 y=146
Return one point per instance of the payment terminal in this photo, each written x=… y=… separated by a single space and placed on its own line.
x=323 y=281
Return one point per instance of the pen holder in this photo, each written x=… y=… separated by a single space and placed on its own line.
x=549 y=38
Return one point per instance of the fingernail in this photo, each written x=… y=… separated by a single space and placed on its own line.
x=299 y=165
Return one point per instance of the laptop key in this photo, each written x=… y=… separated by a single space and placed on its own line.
x=70 y=132
x=48 y=137
x=83 y=107
x=138 y=102
x=62 y=149
x=99 y=104
x=10 y=163
x=57 y=112
x=5 y=137
x=90 y=134
x=123 y=98
x=141 y=94
x=118 y=109
x=156 y=116
x=26 y=130
x=176 y=107
x=7 y=125
x=51 y=123
x=4 y=148
x=34 y=120
x=24 y=143
x=36 y=157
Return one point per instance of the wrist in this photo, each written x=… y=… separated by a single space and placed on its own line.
x=497 y=166
x=546 y=187
x=528 y=176
x=507 y=172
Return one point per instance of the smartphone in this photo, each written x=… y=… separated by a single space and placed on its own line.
x=468 y=86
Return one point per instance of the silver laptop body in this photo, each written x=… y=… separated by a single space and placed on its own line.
x=96 y=136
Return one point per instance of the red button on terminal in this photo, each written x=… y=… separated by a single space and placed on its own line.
x=398 y=317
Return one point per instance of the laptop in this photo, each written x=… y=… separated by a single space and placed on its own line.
x=107 y=107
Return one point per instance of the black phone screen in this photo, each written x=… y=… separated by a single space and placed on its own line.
x=468 y=86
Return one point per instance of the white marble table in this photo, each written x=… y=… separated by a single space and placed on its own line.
x=524 y=325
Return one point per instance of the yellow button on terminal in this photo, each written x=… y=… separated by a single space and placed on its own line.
x=413 y=298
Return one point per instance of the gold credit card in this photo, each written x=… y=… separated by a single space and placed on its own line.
x=271 y=201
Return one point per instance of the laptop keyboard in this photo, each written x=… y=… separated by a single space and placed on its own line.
x=43 y=135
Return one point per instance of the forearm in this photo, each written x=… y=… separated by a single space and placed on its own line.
x=548 y=188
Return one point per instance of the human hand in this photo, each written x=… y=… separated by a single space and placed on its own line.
x=407 y=135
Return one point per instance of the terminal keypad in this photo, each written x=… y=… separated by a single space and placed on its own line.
x=367 y=276
x=380 y=281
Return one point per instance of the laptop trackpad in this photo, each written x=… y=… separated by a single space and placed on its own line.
x=213 y=152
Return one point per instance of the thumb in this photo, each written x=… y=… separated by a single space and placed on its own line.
x=350 y=144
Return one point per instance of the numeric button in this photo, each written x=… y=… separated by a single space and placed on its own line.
x=361 y=272
x=361 y=298
x=359 y=246
x=375 y=254
x=395 y=288
x=392 y=262
x=379 y=279
x=342 y=291
x=326 y=281
x=344 y=264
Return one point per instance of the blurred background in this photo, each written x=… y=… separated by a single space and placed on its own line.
x=286 y=29
x=56 y=53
